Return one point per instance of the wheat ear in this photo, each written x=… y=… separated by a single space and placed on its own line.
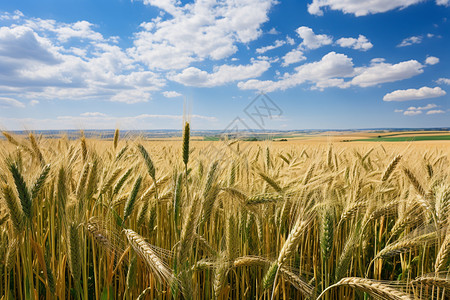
x=372 y=287
x=391 y=167
x=145 y=251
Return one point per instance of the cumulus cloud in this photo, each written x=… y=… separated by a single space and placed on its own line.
x=221 y=75
x=273 y=31
x=410 y=41
x=337 y=70
x=131 y=96
x=292 y=57
x=443 y=2
x=197 y=31
x=412 y=112
x=414 y=94
x=142 y=121
x=428 y=106
x=16 y=15
x=443 y=81
x=171 y=94
x=437 y=111
x=10 y=102
x=361 y=43
x=381 y=72
x=290 y=40
x=312 y=40
x=21 y=44
x=93 y=114
x=36 y=63
x=431 y=60
x=277 y=44
x=358 y=7
x=330 y=71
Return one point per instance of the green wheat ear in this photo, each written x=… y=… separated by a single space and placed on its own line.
x=74 y=251
x=326 y=234
x=186 y=133
x=116 y=138
x=148 y=161
x=22 y=190
x=269 y=278
x=15 y=212
x=129 y=205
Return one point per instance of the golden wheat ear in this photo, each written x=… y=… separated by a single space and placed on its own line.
x=158 y=267
x=371 y=287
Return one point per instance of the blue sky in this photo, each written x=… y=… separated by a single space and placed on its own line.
x=326 y=64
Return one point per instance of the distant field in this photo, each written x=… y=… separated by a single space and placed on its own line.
x=406 y=138
x=133 y=217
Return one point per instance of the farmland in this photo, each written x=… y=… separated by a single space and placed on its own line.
x=131 y=218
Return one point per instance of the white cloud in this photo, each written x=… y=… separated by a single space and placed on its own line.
x=443 y=2
x=412 y=112
x=131 y=96
x=427 y=107
x=358 y=7
x=312 y=40
x=221 y=75
x=34 y=102
x=431 y=60
x=81 y=29
x=410 y=41
x=414 y=94
x=16 y=15
x=443 y=81
x=36 y=64
x=377 y=60
x=277 y=44
x=171 y=94
x=142 y=121
x=433 y=112
x=330 y=71
x=333 y=70
x=20 y=45
x=290 y=40
x=293 y=56
x=361 y=43
x=10 y=102
x=65 y=32
x=380 y=72
x=197 y=31
x=398 y=110
x=93 y=114
x=273 y=31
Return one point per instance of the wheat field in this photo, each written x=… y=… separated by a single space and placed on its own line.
x=138 y=219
